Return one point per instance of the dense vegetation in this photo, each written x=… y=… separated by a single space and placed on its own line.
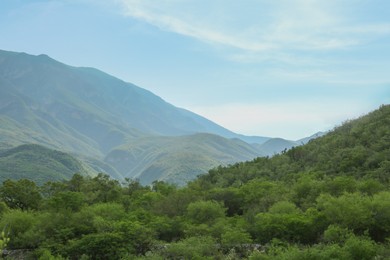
x=329 y=199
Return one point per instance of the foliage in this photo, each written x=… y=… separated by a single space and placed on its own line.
x=4 y=239
x=329 y=199
x=192 y=248
x=22 y=194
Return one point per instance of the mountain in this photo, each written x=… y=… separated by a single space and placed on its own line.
x=98 y=110
x=101 y=120
x=276 y=145
x=177 y=159
x=92 y=115
x=39 y=164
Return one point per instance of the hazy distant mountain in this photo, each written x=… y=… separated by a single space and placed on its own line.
x=276 y=145
x=307 y=139
x=177 y=159
x=98 y=110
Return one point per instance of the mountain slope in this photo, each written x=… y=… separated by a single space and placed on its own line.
x=359 y=148
x=95 y=116
x=39 y=164
x=99 y=110
x=177 y=159
x=91 y=114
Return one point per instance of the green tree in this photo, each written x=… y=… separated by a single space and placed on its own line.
x=192 y=248
x=21 y=194
x=205 y=211
x=67 y=200
x=98 y=246
x=139 y=237
x=351 y=210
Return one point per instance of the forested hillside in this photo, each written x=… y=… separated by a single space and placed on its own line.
x=329 y=199
x=359 y=149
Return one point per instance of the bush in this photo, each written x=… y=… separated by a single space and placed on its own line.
x=192 y=248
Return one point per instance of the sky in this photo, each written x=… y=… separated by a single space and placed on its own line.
x=277 y=68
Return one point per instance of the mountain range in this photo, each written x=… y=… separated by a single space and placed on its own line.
x=110 y=125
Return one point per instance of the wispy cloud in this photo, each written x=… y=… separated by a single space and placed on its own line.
x=298 y=25
x=200 y=30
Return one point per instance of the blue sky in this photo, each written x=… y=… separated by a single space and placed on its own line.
x=286 y=68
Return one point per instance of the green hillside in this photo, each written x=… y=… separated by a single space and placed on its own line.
x=359 y=148
x=39 y=164
x=328 y=199
x=177 y=159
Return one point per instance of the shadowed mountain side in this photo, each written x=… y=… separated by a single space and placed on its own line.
x=177 y=159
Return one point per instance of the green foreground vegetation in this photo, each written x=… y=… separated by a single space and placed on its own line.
x=329 y=199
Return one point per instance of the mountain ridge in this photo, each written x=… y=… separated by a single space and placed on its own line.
x=162 y=153
x=95 y=116
x=110 y=87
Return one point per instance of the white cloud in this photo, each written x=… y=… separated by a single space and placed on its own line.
x=201 y=31
x=279 y=26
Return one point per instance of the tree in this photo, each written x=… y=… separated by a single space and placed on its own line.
x=205 y=211
x=67 y=200
x=351 y=210
x=108 y=190
x=22 y=194
x=192 y=248
x=98 y=246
